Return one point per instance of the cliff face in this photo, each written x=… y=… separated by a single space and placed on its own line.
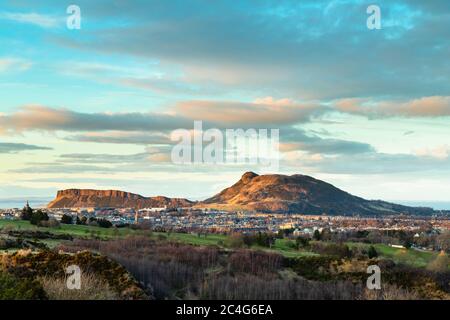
x=299 y=194
x=82 y=198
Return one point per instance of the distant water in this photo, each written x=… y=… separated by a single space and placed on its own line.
x=9 y=203
x=436 y=205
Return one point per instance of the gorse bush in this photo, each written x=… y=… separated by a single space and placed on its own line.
x=332 y=249
x=13 y=288
x=440 y=264
x=26 y=265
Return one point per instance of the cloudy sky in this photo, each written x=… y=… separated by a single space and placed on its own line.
x=367 y=110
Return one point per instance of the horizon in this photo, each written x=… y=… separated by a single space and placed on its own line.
x=39 y=202
x=434 y=204
x=13 y=203
x=95 y=107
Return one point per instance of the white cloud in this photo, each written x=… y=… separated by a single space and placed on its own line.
x=17 y=64
x=432 y=106
x=439 y=152
x=44 y=21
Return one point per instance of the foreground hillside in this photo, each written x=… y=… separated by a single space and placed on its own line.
x=129 y=263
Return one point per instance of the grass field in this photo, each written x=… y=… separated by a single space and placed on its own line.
x=74 y=230
x=194 y=239
x=282 y=246
x=80 y=231
x=407 y=256
x=411 y=256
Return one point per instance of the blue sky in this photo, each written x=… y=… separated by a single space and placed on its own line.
x=367 y=110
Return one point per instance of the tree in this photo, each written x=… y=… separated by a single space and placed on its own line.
x=325 y=235
x=302 y=242
x=103 y=223
x=443 y=241
x=66 y=219
x=372 y=253
x=38 y=216
x=407 y=243
x=27 y=212
x=83 y=220
x=316 y=235
x=51 y=223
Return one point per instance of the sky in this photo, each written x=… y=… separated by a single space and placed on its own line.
x=367 y=110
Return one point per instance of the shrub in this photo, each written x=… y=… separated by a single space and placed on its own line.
x=235 y=241
x=103 y=223
x=261 y=239
x=81 y=221
x=302 y=242
x=66 y=219
x=25 y=265
x=144 y=225
x=251 y=287
x=52 y=223
x=12 y=288
x=38 y=216
x=162 y=237
x=332 y=249
x=390 y=292
x=292 y=245
x=255 y=262
x=314 y=267
x=440 y=263
x=372 y=253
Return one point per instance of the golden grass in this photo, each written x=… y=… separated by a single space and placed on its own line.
x=92 y=288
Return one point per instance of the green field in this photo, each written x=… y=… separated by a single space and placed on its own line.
x=80 y=231
x=194 y=239
x=282 y=246
x=74 y=230
x=411 y=256
x=407 y=256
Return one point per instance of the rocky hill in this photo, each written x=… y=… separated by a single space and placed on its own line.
x=264 y=193
x=299 y=194
x=84 y=198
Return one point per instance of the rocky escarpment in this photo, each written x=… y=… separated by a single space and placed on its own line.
x=87 y=198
